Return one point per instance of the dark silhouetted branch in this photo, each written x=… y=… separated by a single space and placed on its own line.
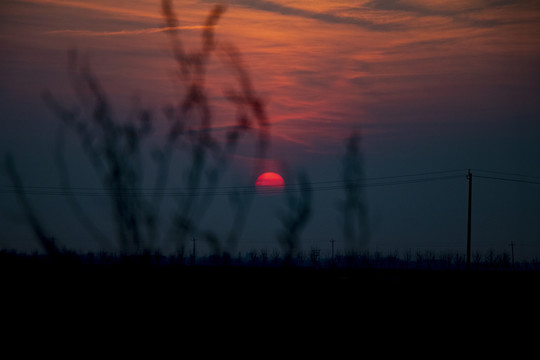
x=46 y=241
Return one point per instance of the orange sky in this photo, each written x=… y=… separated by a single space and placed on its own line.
x=318 y=64
x=400 y=69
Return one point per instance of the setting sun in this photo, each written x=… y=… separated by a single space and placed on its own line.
x=270 y=181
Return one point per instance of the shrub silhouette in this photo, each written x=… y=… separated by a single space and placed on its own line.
x=116 y=151
x=115 y=148
x=354 y=208
x=296 y=217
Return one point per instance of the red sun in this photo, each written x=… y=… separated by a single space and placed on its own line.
x=270 y=182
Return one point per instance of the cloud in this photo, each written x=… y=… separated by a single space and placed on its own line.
x=271 y=6
x=470 y=13
x=435 y=7
x=123 y=32
x=125 y=12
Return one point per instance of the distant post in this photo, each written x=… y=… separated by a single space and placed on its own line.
x=469 y=177
x=512 y=249
x=194 y=254
x=333 y=259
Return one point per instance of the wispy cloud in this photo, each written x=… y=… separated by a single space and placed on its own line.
x=271 y=6
x=397 y=15
x=123 y=32
x=472 y=13
x=120 y=11
x=439 y=7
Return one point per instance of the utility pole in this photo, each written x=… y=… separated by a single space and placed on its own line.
x=469 y=177
x=332 y=241
x=512 y=252
x=194 y=255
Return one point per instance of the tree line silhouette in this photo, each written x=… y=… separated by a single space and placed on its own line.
x=264 y=258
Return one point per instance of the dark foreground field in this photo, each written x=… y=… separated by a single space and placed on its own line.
x=150 y=275
x=283 y=295
x=141 y=296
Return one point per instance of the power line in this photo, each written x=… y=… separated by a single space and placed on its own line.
x=316 y=186
x=508 y=179
x=247 y=187
x=391 y=177
x=507 y=173
x=222 y=190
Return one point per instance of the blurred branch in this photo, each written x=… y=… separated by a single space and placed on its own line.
x=47 y=242
x=248 y=105
x=297 y=217
x=113 y=149
x=355 y=221
x=193 y=119
x=71 y=199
